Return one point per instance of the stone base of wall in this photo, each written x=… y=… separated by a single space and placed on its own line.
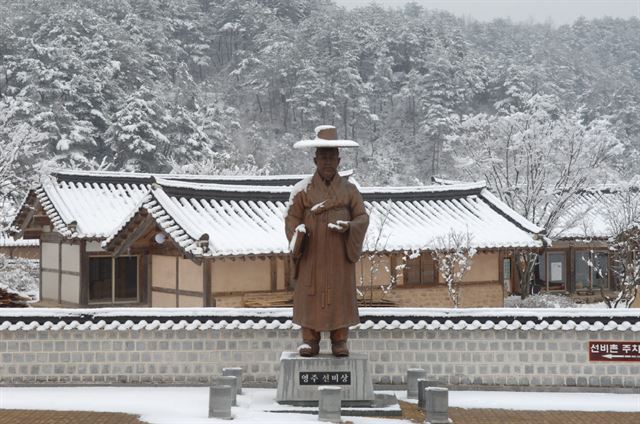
x=472 y=295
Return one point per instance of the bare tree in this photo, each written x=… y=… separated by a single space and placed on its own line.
x=453 y=253
x=624 y=248
x=376 y=241
x=536 y=160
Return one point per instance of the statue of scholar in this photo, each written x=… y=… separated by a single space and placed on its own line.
x=326 y=224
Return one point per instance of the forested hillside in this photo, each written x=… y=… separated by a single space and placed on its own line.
x=226 y=86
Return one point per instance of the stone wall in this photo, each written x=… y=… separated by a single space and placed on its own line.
x=472 y=295
x=26 y=252
x=460 y=348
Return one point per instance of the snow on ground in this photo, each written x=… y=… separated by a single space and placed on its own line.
x=189 y=405
x=20 y=276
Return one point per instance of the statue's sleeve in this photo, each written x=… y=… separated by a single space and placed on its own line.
x=357 y=226
x=295 y=215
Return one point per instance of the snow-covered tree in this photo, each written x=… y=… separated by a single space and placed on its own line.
x=453 y=254
x=378 y=264
x=624 y=248
x=536 y=161
x=136 y=133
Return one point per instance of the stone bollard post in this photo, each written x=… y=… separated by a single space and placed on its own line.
x=437 y=405
x=423 y=384
x=236 y=372
x=220 y=401
x=413 y=374
x=227 y=380
x=330 y=404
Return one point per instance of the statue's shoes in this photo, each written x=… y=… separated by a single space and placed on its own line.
x=339 y=349
x=309 y=349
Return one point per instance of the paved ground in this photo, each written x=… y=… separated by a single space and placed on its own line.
x=459 y=416
x=502 y=416
x=8 y=416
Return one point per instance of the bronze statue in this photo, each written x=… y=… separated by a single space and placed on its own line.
x=326 y=225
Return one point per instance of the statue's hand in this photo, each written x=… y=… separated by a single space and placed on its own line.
x=339 y=226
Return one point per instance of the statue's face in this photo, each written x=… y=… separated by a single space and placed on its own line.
x=327 y=161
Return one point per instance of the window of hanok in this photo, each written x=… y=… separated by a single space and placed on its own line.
x=552 y=270
x=591 y=270
x=113 y=280
x=420 y=270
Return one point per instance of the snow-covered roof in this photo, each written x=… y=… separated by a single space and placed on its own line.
x=46 y=319
x=9 y=242
x=213 y=220
x=589 y=215
x=240 y=216
x=94 y=204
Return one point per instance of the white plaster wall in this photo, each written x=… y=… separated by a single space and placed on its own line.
x=49 y=285
x=71 y=257
x=190 y=301
x=70 y=288
x=240 y=275
x=50 y=255
x=163 y=300
x=163 y=271
x=190 y=275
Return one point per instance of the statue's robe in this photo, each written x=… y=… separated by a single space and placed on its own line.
x=325 y=291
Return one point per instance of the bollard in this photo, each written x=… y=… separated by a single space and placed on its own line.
x=227 y=380
x=220 y=401
x=413 y=374
x=437 y=405
x=330 y=404
x=423 y=384
x=236 y=372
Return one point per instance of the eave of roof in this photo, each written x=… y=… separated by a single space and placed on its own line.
x=22 y=218
x=148 y=178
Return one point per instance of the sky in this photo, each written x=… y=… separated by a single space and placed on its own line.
x=539 y=11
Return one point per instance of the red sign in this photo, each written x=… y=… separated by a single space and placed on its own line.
x=614 y=351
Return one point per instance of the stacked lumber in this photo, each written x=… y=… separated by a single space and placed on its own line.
x=12 y=300
x=374 y=299
x=268 y=300
x=285 y=299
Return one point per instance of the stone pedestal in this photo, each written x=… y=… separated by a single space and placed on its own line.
x=413 y=374
x=300 y=378
x=227 y=380
x=220 y=398
x=422 y=385
x=237 y=373
x=329 y=408
x=437 y=405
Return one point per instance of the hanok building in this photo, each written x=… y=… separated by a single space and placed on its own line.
x=578 y=259
x=186 y=241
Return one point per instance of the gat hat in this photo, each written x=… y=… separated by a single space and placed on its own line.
x=326 y=136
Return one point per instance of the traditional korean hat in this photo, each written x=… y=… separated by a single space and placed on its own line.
x=326 y=136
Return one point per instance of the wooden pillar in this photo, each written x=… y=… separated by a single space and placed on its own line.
x=206 y=283
x=571 y=278
x=60 y=271
x=177 y=281
x=274 y=273
x=84 y=274
x=40 y=266
x=287 y=273
x=149 y=279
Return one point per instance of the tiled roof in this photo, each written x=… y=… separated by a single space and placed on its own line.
x=167 y=319
x=93 y=204
x=248 y=220
x=88 y=209
x=239 y=216
x=590 y=215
